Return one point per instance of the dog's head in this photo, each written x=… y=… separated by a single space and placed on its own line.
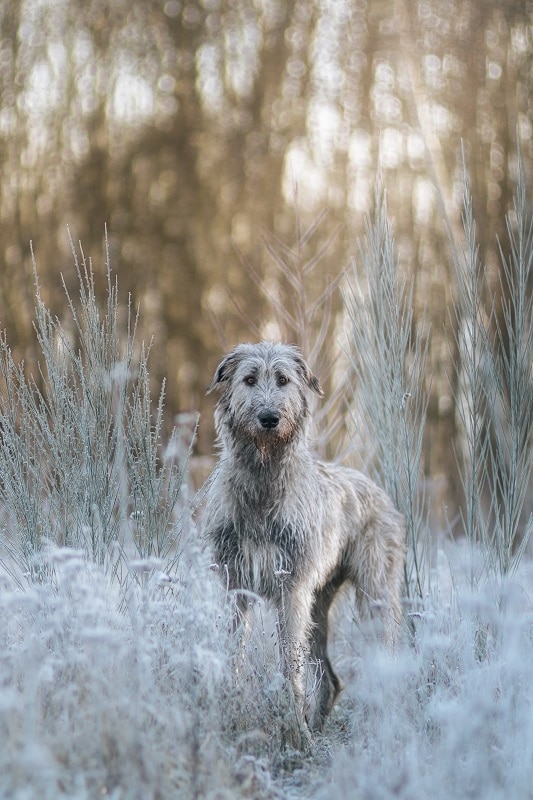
x=264 y=390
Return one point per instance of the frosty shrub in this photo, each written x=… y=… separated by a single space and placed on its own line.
x=97 y=702
x=493 y=401
x=450 y=716
x=81 y=459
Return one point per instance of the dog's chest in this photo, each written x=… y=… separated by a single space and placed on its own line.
x=260 y=555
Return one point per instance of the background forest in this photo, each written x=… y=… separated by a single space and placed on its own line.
x=208 y=136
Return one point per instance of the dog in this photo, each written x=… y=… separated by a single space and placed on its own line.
x=289 y=527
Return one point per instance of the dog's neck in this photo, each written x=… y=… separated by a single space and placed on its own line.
x=256 y=474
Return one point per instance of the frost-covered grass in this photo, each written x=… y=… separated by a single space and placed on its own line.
x=151 y=699
x=155 y=701
x=119 y=674
x=95 y=701
x=450 y=715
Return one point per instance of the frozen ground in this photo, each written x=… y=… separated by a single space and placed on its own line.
x=133 y=694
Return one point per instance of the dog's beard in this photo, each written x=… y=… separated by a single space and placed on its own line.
x=272 y=442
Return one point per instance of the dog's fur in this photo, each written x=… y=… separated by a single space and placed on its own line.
x=288 y=527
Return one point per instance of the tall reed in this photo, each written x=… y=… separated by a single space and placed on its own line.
x=388 y=361
x=495 y=402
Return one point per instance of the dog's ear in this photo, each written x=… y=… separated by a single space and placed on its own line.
x=225 y=369
x=311 y=380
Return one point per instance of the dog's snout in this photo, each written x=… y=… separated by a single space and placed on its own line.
x=268 y=419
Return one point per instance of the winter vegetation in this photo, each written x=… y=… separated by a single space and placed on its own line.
x=119 y=673
x=192 y=127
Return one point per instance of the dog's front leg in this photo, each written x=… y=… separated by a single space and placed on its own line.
x=240 y=627
x=294 y=624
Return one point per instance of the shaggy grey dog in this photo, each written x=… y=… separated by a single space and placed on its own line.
x=288 y=527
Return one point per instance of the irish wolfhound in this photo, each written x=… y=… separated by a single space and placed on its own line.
x=288 y=527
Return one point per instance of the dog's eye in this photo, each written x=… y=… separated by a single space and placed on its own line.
x=249 y=380
x=283 y=380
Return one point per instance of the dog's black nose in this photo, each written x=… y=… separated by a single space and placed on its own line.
x=268 y=419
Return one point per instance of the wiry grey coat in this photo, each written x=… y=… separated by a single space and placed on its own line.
x=288 y=527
